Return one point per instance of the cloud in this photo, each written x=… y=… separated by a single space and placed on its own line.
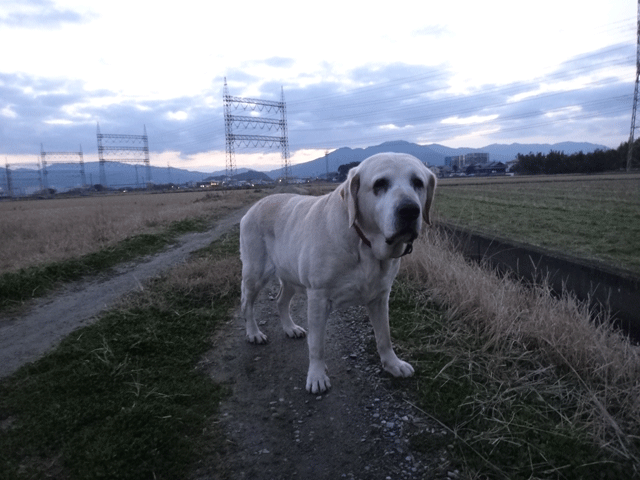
x=37 y=14
x=363 y=106
x=433 y=31
x=280 y=62
x=8 y=112
x=473 y=119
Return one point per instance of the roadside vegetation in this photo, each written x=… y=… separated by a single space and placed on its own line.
x=593 y=217
x=85 y=236
x=34 y=232
x=528 y=385
x=122 y=398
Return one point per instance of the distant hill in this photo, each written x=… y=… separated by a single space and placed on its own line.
x=65 y=176
x=245 y=176
x=433 y=154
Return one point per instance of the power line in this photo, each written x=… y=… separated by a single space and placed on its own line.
x=635 y=97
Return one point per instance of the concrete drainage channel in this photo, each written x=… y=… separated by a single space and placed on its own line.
x=615 y=290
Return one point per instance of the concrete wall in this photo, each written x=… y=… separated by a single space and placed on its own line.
x=614 y=289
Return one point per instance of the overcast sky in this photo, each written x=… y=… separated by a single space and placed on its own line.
x=354 y=73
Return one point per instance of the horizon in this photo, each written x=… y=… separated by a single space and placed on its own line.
x=35 y=164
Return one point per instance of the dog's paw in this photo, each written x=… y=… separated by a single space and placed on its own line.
x=295 y=332
x=258 y=338
x=398 y=368
x=317 y=380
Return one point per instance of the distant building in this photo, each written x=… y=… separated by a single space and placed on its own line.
x=456 y=162
x=493 y=168
x=476 y=158
x=461 y=162
x=208 y=183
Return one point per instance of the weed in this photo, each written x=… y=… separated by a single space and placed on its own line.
x=33 y=232
x=528 y=385
x=121 y=398
x=17 y=287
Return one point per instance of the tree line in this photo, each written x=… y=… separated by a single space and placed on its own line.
x=344 y=169
x=594 y=162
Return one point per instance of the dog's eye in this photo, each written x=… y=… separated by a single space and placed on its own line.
x=417 y=183
x=380 y=186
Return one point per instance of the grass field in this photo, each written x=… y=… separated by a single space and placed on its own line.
x=594 y=217
x=121 y=399
x=46 y=243
x=34 y=232
x=529 y=386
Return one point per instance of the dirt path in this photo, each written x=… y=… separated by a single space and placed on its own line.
x=51 y=318
x=361 y=429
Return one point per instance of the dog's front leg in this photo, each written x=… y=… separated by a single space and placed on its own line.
x=318 y=309
x=379 y=316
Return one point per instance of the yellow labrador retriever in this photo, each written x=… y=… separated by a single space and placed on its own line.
x=340 y=249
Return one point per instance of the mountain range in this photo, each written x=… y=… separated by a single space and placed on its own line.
x=433 y=154
x=66 y=176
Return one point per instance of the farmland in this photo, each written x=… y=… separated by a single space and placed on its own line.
x=44 y=231
x=595 y=217
x=526 y=385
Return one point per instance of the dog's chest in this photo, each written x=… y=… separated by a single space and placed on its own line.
x=363 y=284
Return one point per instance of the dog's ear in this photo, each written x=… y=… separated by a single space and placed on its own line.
x=349 y=194
x=431 y=190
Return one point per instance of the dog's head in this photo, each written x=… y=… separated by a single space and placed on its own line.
x=388 y=196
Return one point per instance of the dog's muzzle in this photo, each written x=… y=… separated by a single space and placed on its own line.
x=406 y=224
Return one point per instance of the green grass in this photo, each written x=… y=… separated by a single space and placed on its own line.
x=122 y=398
x=584 y=216
x=18 y=287
x=508 y=416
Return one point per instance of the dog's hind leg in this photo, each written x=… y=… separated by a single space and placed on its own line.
x=250 y=291
x=256 y=270
x=287 y=291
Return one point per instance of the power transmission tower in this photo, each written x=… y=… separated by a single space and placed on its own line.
x=123 y=148
x=635 y=97
x=246 y=123
x=326 y=164
x=8 y=173
x=60 y=157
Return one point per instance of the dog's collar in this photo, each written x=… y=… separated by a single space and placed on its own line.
x=362 y=236
x=408 y=249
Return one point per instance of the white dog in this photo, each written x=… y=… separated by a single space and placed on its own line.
x=340 y=249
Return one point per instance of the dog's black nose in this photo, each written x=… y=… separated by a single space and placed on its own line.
x=408 y=211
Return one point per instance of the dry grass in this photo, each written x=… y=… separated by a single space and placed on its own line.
x=568 y=350
x=121 y=398
x=38 y=231
x=215 y=272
